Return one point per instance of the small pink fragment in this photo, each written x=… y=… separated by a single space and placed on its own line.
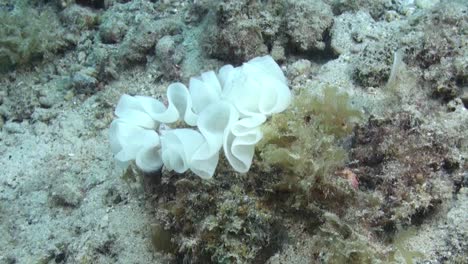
x=350 y=176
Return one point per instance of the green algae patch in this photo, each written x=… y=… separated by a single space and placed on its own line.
x=304 y=144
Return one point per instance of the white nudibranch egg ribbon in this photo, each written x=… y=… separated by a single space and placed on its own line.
x=223 y=110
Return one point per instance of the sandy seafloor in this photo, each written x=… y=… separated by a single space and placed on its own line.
x=64 y=200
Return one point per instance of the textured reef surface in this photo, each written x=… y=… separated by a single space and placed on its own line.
x=368 y=164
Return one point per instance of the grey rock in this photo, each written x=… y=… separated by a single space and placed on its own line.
x=307 y=22
x=112 y=31
x=169 y=54
x=47 y=101
x=84 y=81
x=349 y=30
x=141 y=40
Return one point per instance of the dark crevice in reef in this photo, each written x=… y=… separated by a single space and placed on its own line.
x=98 y=4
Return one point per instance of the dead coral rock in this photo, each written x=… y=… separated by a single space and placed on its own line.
x=445 y=31
x=245 y=29
x=349 y=32
x=368 y=142
x=376 y=8
x=239 y=41
x=278 y=52
x=21 y=102
x=169 y=55
x=299 y=68
x=129 y=32
x=112 y=29
x=442 y=50
x=84 y=81
x=141 y=40
x=373 y=64
x=216 y=222
x=28 y=34
x=118 y=19
x=397 y=159
x=456 y=228
x=308 y=23
x=197 y=11
x=79 y=18
x=440 y=80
